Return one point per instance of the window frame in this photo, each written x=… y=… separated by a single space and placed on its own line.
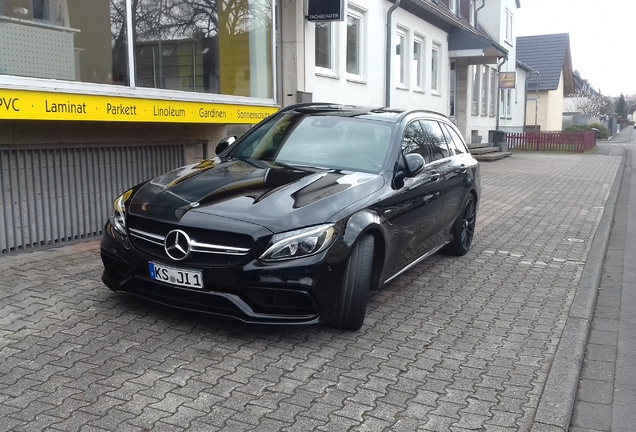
x=476 y=78
x=430 y=146
x=453 y=89
x=452 y=6
x=423 y=148
x=485 y=81
x=360 y=52
x=506 y=104
x=333 y=54
x=493 y=92
x=402 y=74
x=458 y=148
x=509 y=27
x=418 y=70
x=436 y=57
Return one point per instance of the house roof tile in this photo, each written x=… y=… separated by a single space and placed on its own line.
x=547 y=54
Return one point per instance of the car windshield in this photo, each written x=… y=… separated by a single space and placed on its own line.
x=319 y=141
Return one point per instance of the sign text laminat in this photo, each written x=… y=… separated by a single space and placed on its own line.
x=325 y=10
x=35 y=105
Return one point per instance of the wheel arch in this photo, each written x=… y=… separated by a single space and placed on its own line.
x=363 y=223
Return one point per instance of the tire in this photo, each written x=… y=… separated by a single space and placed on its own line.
x=356 y=285
x=463 y=229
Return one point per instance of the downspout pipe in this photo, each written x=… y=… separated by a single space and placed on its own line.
x=499 y=65
x=533 y=73
x=387 y=60
x=483 y=4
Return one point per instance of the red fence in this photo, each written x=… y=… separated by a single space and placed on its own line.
x=552 y=141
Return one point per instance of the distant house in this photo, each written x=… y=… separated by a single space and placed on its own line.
x=550 y=56
x=583 y=105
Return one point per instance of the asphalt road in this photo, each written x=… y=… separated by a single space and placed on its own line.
x=453 y=344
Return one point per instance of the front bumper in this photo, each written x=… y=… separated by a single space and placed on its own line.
x=302 y=291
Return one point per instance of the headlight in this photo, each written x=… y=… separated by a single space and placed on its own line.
x=118 y=219
x=300 y=243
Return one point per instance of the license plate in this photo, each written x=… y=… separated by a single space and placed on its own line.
x=175 y=276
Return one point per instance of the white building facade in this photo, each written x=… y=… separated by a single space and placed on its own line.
x=438 y=59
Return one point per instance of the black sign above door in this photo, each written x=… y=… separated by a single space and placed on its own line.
x=325 y=10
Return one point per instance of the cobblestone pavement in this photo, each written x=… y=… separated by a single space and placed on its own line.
x=454 y=344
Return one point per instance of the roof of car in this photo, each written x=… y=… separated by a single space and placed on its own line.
x=378 y=113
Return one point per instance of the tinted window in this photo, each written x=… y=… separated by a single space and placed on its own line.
x=455 y=142
x=435 y=138
x=414 y=141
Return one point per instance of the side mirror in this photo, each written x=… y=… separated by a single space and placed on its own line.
x=224 y=144
x=414 y=164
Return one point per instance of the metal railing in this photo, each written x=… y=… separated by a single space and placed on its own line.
x=53 y=195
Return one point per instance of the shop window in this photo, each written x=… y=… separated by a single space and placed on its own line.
x=211 y=47
x=206 y=47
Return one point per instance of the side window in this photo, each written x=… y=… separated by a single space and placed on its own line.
x=414 y=141
x=435 y=138
x=455 y=142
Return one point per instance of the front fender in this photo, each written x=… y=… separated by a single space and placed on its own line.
x=360 y=223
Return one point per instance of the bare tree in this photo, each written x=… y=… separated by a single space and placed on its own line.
x=592 y=104
x=179 y=19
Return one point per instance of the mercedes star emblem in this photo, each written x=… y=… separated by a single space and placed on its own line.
x=177 y=245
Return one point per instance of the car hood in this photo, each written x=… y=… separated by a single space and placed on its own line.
x=274 y=196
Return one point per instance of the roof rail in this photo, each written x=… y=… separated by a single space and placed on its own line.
x=305 y=104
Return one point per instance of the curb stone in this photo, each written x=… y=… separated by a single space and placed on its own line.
x=558 y=396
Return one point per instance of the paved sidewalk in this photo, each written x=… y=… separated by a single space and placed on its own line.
x=452 y=345
x=607 y=389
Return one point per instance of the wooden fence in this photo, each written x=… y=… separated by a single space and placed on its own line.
x=552 y=141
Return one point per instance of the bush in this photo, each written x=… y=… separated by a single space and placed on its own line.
x=603 y=132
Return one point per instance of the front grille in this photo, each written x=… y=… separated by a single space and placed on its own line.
x=209 y=248
x=239 y=241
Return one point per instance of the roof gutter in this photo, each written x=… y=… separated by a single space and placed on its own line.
x=387 y=60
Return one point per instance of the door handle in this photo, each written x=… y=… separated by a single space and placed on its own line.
x=435 y=176
x=463 y=169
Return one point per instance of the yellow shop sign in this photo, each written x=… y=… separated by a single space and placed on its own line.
x=33 y=105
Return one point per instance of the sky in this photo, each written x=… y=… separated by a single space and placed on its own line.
x=602 y=37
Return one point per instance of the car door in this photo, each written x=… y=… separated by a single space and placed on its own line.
x=458 y=177
x=414 y=211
